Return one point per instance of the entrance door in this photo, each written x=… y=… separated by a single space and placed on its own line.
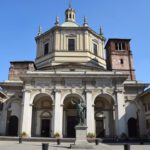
x=13 y=126
x=132 y=127
x=45 y=128
x=71 y=123
x=100 y=132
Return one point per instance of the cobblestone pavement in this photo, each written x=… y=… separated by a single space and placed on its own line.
x=7 y=145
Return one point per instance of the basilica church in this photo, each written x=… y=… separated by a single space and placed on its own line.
x=74 y=63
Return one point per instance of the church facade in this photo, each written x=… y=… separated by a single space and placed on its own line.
x=70 y=65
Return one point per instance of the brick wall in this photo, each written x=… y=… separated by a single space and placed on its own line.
x=19 y=68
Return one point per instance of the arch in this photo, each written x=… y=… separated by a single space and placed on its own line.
x=104 y=118
x=106 y=95
x=72 y=94
x=37 y=95
x=132 y=127
x=42 y=115
x=70 y=114
x=13 y=126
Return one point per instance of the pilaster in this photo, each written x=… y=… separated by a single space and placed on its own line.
x=86 y=40
x=26 y=115
x=120 y=113
x=90 y=113
x=58 y=113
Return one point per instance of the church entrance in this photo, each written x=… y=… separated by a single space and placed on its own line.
x=132 y=127
x=71 y=123
x=100 y=132
x=70 y=119
x=13 y=126
x=45 y=128
x=42 y=116
x=104 y=122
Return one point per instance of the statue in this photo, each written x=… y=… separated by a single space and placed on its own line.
x=81 y=111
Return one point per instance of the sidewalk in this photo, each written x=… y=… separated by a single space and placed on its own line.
x=13 y=145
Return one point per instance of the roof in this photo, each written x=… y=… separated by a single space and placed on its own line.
x=145 y=93
x=69 y=24
x=117 y=39
x=22 y=61
x=77 y=27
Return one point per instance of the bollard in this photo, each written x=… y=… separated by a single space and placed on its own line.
x=96 y=141
x=44 y=146
x=141 y=142
x=126 y=147
x=20 y=140
x=58 y=141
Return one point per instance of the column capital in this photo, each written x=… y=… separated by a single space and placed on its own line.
x=26 y=90
x=119 y=90
x=57 y=90
x=88 y=91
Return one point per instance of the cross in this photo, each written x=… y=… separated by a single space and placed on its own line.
x=70 y=2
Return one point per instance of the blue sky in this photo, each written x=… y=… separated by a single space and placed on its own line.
x=19 y=21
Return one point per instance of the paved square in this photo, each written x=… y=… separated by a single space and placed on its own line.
x=13 y=145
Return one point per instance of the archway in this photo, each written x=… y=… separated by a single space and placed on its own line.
x=104 y=119
x=13 y=126
x=70 y=119
x=132 y=127
x=42 y=116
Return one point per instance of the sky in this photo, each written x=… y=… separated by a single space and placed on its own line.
x=19 y=21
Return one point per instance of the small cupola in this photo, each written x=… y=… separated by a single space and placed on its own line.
x=70 y=14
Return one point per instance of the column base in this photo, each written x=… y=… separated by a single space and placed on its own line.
x=81 y=138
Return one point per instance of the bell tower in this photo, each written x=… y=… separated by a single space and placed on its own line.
x=119 y=57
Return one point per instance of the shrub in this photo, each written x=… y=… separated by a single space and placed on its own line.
x=124 y=136
x=91 y=135
x=23 y=134
x=56 y=135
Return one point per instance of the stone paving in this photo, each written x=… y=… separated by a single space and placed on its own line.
x=13 y=145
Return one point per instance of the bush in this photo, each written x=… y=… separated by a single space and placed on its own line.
x=56 y=135
x=91 y=135
x=123 y=136
x=23 y=134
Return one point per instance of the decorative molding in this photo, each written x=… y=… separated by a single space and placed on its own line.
x=43 y=90
x=88 y=91
x=73 y=83
x=43 y=83
x=130 y=98
x=26 y=90
x=110 y=91
x=119 y=90
x=57 y=90
x=104 y=83
x=73 y=90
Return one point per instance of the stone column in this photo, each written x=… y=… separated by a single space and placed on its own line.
x=58 y=113
x=90 y=113
x=26 y=116
x=120 y=113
